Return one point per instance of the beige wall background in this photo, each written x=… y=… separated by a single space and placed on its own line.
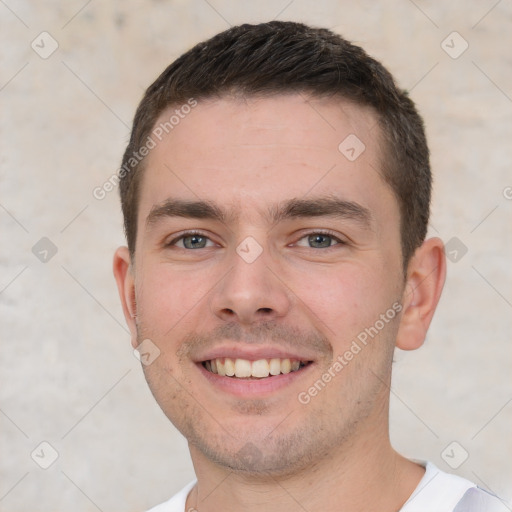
x=68 y=375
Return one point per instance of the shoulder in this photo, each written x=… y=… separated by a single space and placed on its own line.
x=478 y=500
x=177 y=503
x=445 y=492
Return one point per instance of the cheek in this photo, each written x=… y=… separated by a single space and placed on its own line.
x=166 y=297
x=345 y=300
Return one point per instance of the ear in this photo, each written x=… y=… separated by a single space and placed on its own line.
x=124 y=274
x=426 y=274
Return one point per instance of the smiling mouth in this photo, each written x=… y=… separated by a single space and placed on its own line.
x=259 y=369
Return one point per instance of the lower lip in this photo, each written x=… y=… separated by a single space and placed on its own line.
x=255 y=388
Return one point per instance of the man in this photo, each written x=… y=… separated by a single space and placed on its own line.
x=275 y=193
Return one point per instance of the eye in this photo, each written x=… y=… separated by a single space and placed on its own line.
x=319 y=240
x=191 y=240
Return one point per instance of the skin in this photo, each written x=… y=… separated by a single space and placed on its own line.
x=266 y=449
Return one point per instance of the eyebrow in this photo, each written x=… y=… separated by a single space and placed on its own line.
x=323 y=206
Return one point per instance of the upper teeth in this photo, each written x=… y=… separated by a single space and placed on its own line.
x=245 y=368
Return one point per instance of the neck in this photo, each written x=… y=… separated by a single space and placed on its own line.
x=354 y=477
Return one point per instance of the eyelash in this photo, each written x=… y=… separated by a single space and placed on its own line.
x=318 y=232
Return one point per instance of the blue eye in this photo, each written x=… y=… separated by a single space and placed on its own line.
x=194 y=241
x=319 y=241
x=191 y=241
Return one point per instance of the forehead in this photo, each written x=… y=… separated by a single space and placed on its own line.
x=250 y=154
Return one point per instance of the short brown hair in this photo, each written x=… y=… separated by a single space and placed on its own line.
x=282 y=58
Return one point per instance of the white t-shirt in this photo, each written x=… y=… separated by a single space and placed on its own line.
x=436 y=492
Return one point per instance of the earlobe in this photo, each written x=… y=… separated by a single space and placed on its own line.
x=123 y=273
x=425 y=280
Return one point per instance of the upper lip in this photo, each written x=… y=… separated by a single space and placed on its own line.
x=250 y=353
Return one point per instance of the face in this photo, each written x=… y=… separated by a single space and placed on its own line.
x=264 y=249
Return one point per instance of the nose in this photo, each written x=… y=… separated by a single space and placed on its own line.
x=250 y=292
